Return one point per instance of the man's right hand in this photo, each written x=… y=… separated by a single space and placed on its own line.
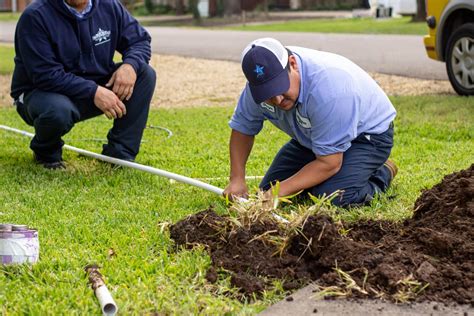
x=109 y=103
x=240 y=146
x=236 y=189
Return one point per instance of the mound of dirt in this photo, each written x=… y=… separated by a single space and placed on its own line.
x=427 y=257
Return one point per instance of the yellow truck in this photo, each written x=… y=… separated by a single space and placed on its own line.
x=451 y=40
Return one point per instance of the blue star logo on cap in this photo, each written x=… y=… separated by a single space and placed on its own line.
x=259 y=71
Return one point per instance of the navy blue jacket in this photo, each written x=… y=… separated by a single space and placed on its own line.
x=59 y=52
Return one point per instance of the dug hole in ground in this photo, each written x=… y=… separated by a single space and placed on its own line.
x=428 y=257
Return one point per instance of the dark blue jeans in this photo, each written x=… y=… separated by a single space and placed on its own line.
x=53 y=115
x=361 y=177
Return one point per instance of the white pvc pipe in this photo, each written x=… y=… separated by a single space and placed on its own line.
x=226 y=178
x=133 y=165
x=106 y=301
x=137 y=166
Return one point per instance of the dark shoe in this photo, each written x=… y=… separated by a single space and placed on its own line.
x=57 y=165
x=112 y=165
x=392 y=167
x=51 y=165
x=111 y=151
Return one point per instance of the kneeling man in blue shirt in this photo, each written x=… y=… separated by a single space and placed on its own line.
x=339 y=119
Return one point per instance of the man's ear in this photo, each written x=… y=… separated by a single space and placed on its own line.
x=293 y=63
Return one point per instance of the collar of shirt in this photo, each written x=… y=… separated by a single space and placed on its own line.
x=81 y=14
x=302 y=81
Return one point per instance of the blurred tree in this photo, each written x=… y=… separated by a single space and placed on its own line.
x=212 y=8
x=420 y=11
x=220 y=7
x=193 y=6
x=179 y=7
x=365 y=4
x=232 y=6
x=216 y=7
x=129 y=4
x=149 y=6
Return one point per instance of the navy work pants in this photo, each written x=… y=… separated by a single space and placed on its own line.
x=53 y=115
x=361 y=177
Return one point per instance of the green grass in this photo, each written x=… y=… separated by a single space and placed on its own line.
x=7 y=53
x=90 y=208
x=355 y=25
x=9 y=16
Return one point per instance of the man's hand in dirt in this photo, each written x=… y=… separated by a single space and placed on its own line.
x=236 y=189
x=122 y=82
x=269 y=199
x=109 y=103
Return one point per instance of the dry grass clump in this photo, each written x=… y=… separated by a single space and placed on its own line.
x=260 y=208
x=408 y=289
x=346 y=286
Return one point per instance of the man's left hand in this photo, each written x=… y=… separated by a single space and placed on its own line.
x=122 y=81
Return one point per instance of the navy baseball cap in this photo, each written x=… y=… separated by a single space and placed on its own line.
x=264 y=65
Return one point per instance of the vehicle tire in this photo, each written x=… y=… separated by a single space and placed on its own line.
x=460 y=59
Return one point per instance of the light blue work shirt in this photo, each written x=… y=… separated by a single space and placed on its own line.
x=337 y=102
x=83 y=13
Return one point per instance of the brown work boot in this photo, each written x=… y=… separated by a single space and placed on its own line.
x=392 y=167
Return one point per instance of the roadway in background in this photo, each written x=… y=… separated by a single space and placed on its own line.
x=402 y=55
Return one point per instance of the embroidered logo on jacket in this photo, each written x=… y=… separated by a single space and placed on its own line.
x=101 y=37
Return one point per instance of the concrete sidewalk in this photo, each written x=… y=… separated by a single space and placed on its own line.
x=303 y=302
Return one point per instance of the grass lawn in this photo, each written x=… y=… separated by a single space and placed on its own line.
x=355 y=25
x=7 y=53
x=9 y=16
x=91 y=213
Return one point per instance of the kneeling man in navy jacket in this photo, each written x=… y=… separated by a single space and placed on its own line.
x=65 y=73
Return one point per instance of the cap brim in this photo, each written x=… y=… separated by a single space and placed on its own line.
x=276 y=86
